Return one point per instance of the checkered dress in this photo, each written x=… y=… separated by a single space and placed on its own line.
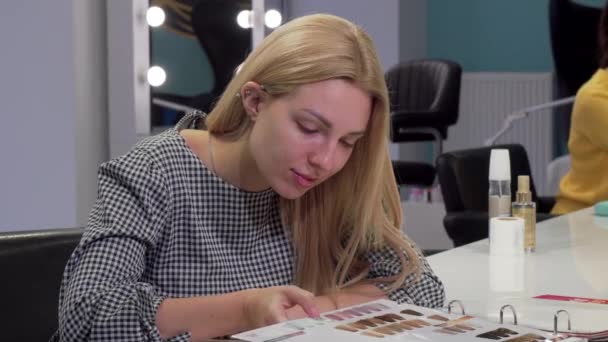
x=165 y=226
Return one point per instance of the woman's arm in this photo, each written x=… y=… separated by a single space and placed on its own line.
x=423 y=289
x=176 y=316
x=102 y=296
x=589 y=114
x=211 y=316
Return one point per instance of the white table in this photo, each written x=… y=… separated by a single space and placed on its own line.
x=571 y=259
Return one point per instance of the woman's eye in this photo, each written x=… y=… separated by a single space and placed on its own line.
x=347 y=144
x=307 y=130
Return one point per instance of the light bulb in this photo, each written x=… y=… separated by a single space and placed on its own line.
x=244 y=19
x=273 y=18
x=156 y=76
x=155 y=16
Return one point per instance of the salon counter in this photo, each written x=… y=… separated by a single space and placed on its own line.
x=571 y=260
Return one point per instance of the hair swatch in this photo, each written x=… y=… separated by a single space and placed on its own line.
x=346 y=328
x=397 y=327
x=358 y=325
x=372 y=334
x=444 y=331
x=368 y=323
x=498 y=334
x=384 y=330
x=464 y=326
x=454 y=329
x=334 y=317
x=411 y=312
x=438 y=318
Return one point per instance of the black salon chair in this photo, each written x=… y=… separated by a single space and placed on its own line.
x=424 y=96
x=463 y=177
x=226 y=45
x=574 y=46
x=31 y=265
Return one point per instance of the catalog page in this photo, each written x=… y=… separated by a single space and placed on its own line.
x=389 y=321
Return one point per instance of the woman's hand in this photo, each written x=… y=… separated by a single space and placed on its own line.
x=209 y=316
x=270 y=305
x=352 y=295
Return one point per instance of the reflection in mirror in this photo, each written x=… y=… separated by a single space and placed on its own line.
x=199 y=45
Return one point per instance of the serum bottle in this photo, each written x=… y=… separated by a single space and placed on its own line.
x=499 y=192
x=526 y=209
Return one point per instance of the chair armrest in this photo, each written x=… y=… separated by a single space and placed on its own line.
x=466 y=226
x=429 y=252
x=414 y=173
x=545 y=204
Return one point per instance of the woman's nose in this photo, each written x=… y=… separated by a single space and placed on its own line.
x=323 y=156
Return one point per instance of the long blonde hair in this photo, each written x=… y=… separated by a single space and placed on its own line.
x=356 y=211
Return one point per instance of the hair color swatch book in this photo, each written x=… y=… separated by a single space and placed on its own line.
x=589 y=315
x=388 y=321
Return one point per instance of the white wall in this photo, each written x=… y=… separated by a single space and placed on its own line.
x=51 y=102
x=423 y=223
x=91 y=116
x=412 y=29
x=412 y=45
x=379 y=18
x=128 y=56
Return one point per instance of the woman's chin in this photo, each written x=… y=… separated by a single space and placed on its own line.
x=290 y=192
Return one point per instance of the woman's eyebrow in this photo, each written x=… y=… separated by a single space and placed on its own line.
x=326 y=122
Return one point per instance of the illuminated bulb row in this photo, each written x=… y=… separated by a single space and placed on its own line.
x=155 y=16
x=272 y=19
x=156 y=76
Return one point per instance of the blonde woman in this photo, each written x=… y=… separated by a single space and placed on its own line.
x=281 y=203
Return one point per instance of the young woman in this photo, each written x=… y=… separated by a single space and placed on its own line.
x=279 y=204
x=586 y=182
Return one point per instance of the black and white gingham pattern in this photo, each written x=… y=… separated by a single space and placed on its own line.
x=165 y=226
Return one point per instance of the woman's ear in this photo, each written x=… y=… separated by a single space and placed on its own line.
x=252 y=95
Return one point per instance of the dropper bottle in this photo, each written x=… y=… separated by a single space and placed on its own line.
x=526 y=209
x=499 y=192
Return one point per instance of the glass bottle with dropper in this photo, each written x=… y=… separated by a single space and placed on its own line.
x=525 y=208
x=499 y=192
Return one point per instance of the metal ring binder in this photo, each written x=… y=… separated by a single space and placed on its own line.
x=512 y=310
x=455 y=301
x=555 y=319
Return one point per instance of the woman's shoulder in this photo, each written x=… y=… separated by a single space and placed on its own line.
x=167 y=148
x=167 y=145
x=595 y=87
x=160 y=150
x=162 y=158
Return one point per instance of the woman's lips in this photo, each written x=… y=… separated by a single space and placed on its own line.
x=303 y=180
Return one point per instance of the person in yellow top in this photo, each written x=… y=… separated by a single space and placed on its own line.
x=586 y=183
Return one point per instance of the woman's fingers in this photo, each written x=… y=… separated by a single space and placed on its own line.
x=303 y=298
x=270 y=305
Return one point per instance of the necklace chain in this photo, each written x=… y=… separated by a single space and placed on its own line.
x=212 y=162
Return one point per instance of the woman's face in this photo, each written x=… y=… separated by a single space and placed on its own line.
x=300 y=140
